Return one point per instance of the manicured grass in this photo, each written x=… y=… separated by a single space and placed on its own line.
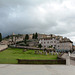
x=10 y=55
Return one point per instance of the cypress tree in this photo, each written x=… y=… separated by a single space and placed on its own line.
x=36 y=35
x=40 y=46
x=27 y=37
x=33 y=36
x=0 y=37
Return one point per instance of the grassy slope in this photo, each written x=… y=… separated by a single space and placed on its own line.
x=10 y=55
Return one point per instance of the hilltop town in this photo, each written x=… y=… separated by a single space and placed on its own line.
x=59 y=43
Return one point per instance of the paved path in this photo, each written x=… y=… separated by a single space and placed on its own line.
x=6 y=69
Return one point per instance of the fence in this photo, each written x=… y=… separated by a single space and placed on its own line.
x=31 y=48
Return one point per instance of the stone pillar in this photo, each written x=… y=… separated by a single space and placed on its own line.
x=68 y=60
x=69 y=54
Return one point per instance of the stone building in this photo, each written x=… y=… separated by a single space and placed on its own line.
x=74 y=47
x=65 y=45
x=57 y=42
x=42 y=36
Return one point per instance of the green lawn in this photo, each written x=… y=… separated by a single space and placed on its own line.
x=10 y=55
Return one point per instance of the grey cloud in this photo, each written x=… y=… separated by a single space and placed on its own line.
x=42 y=16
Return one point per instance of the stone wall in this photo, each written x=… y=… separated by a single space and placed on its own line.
x=2 y=47
x=58 y=61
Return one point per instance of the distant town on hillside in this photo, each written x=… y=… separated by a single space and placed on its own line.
x=39 y=40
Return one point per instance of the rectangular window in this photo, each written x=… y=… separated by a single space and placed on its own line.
x=47 y=42
x=54 y=45
x=58 y=45
x=54 y=41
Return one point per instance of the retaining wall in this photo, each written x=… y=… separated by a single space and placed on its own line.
x=58 y=61
x=3 y=47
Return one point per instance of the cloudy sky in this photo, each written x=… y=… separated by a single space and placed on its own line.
x=42 y=16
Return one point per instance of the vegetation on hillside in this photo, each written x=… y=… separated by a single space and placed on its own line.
x=35 y=36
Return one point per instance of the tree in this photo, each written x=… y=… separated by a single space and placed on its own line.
x=51 y=46
x=36 y=35
x=27 y=37
x=8 y=37
x=25 y=41
x=0 y=37
x=33 y=36
x=40 y=46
